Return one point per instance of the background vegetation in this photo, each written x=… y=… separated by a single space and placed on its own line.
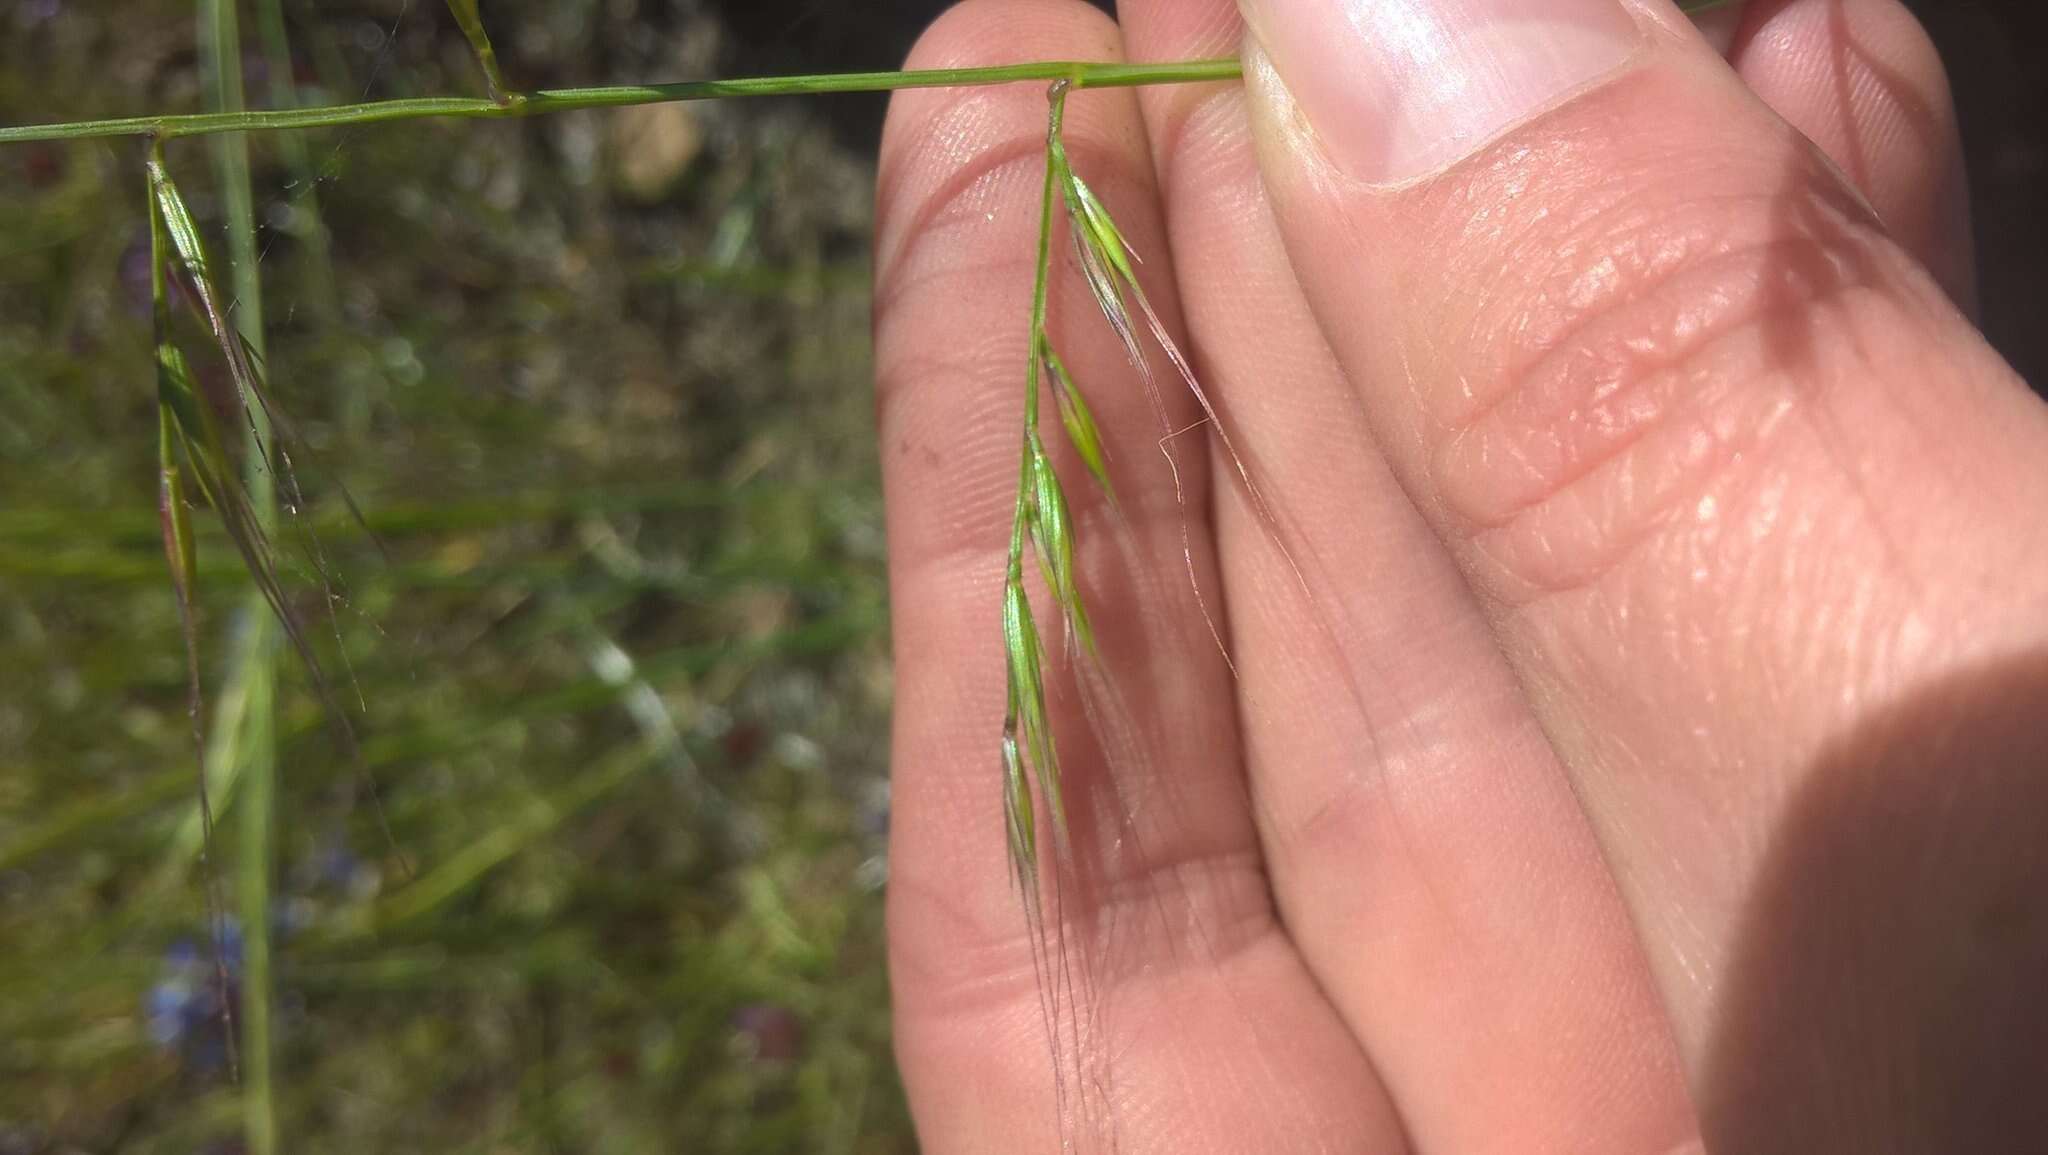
x=600 y=383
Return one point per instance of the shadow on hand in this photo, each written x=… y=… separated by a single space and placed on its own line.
x=1888 y=988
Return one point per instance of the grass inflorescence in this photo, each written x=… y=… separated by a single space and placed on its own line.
x=1043 y=518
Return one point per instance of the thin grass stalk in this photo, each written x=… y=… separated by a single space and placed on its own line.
x=257 y=810
x=1026 y=742
x=1077 y=74
x=472 y=23
x=252 y=676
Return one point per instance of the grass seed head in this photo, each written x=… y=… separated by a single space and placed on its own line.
x=1079 y=421
x=1027 y=694
x=1019 y=819
x=1093 y=218
x=1052 y=532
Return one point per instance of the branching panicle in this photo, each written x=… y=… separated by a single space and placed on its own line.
x=1044 y=517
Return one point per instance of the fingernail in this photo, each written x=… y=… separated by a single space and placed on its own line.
x=1398 y=89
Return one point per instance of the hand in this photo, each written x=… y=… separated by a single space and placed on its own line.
x=1634 y=741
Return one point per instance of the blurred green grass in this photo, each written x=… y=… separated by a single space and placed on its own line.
x=600 y=385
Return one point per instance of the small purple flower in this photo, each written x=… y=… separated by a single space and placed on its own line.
x=183 y=1010
x=228 y=945
x=338 y=867
x=290 y=916
x=166 y=1007
x=338 y=864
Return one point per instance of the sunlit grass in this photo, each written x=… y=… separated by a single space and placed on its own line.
x=548 y=458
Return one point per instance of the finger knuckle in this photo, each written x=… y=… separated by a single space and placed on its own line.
x=1632 y=364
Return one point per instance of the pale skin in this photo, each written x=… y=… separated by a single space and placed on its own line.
x=1632 y=742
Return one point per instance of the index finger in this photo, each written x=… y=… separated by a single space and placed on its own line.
x=1186 y=1019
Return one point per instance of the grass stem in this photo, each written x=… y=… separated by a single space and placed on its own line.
x=1040 y=293
x=251 y=751
x=472 y=23
x=1078 y=74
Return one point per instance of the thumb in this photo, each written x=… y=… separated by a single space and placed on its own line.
x=1730 y=473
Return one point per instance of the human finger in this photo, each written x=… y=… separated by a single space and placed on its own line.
x=1861 y=79
x=1730 y=473
x=1424 y=843
x=1163 y=1008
